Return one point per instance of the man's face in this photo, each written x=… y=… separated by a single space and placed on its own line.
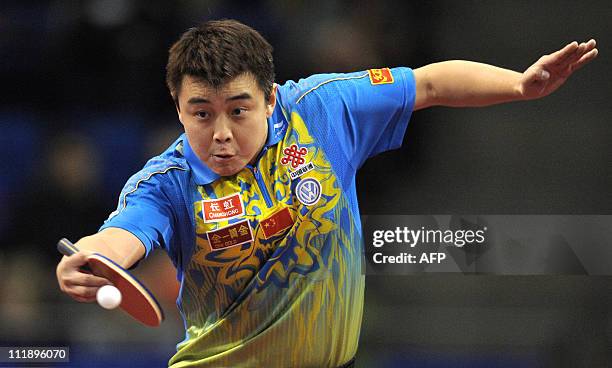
x=226 y=127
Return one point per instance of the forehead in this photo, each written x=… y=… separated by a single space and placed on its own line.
x=244 y=83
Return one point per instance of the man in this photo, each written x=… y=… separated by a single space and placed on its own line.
x=255 y=204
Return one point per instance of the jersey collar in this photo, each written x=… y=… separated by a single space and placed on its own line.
x=277 y=126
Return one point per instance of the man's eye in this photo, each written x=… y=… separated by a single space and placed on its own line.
x=202 y=114
x=238 y=111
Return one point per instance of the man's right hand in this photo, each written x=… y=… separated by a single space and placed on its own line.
x=79 y=284
x=119 y=245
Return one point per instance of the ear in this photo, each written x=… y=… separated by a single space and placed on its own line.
x=271 y=102
x=178 y=109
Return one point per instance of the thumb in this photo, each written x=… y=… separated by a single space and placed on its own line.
x=542 y=75
x=535 y=73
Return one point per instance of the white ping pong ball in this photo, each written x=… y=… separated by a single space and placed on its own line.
x=108 y=296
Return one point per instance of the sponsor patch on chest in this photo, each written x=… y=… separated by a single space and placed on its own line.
x=301 y=170
x=229 y=236
x=308 y=191
x=220 y=209
x=294 y=156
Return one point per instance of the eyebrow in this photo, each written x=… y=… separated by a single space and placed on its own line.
x=199 y=100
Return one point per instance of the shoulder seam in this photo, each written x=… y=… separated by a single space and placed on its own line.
x=329 y=81
x=145 y=179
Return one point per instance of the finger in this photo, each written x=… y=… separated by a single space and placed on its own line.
x=589 y=47
x=585 y=59
x=591 y=44
x=570 y=57
x=84 y=300
x=582 y=49
x=86 y=279
x=559 y=56
x=82 y=292
x=67 y=266
x=76 y=260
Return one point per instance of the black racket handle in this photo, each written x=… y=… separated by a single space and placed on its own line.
x=65 y=247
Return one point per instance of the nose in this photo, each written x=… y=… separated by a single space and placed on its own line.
x=223 y=131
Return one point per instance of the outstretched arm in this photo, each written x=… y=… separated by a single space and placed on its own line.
x=117 y=244
x=460 y=83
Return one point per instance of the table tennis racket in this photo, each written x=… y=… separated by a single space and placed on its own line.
x=136 y=300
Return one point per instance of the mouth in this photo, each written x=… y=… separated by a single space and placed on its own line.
x=222 y=157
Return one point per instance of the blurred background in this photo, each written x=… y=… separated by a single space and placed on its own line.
x=83 y=105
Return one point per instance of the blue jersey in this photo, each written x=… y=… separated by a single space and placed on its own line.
x=270 y=259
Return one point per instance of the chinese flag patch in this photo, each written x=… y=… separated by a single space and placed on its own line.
x=380 y=76
x=277 y=222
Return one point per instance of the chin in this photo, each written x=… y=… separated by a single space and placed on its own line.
x=227 y=171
